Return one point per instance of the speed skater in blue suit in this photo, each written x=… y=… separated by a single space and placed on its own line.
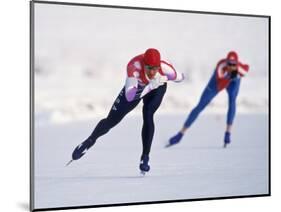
x=227 y=75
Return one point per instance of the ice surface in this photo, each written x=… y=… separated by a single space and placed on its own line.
x=198 y=167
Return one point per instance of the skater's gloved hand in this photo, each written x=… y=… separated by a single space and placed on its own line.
x=157 y=81
x=154 y=83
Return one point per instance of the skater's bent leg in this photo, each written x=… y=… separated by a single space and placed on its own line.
x=119 y=110
x=205 y=99
x=151 y=103
x=231 y=111
x=147 y=130
x=208 y=94
x=232 y=91
x=104 y=126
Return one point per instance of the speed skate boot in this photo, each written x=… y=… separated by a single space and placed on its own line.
x=144 y=167
x=227 y=139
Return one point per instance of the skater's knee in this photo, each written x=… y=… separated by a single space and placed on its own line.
x=103 y=122
x=201 y=106
x=111 y=121
x=105 y=125
x=197 y=110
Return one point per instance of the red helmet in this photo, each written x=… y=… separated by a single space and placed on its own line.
x=152 y=57
x=232 y=57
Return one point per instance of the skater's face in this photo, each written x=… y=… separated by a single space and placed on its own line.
x=151 y=70
x=231 y=67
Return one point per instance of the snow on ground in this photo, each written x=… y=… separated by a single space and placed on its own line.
x=198 y=167
x=81 y=54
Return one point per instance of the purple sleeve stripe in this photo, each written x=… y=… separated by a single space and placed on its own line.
x=130 y=94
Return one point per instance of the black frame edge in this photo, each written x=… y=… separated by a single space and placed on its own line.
x=269 y=105
x=150 y=203
x=150 y=9
x=31 y=105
